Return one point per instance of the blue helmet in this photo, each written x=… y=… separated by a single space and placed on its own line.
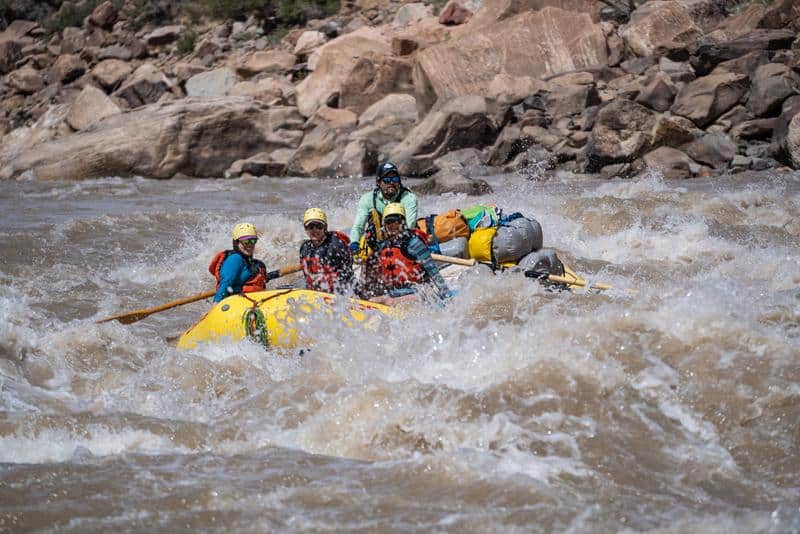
x=385 y=169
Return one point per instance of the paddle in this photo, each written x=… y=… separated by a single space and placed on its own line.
x=544 y=275
x=138 y=315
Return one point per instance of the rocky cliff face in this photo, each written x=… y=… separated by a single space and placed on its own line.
x=688 y=87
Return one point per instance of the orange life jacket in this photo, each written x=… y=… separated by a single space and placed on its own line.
x=257 y=282
x=323 y=269
x=397 y=268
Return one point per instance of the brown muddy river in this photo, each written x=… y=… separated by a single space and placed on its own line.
x=514 y=409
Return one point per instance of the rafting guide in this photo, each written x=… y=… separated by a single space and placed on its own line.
x=366 y=231
x=388 y=188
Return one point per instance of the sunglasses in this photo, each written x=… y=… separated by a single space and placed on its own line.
x=392 y=220
x=248 y=242
x=315 y=226
x=389 y=179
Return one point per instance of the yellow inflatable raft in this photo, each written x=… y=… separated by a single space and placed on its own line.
x=275 y=318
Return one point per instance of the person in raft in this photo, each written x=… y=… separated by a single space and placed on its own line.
x=236 y=270
x=325 y=256
x=388 y=189
x=404 y=259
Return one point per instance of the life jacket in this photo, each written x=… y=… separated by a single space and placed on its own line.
x=323 y=267
x=257 y=282
x=373 y=230
x=397 y=268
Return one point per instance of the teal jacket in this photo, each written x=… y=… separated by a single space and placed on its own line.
x=374 y=199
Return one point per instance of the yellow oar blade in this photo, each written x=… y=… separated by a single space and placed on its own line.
x=582 y=283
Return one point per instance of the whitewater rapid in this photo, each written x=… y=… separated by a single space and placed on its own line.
x=667 y=404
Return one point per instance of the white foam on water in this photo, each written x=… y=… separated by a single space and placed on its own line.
x=18 y=333
x=649 y=184
x=53 y=445
x=482 y=386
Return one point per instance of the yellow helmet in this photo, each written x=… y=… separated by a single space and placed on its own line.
x=395 y=208
x=315 y=214
x=244 y=230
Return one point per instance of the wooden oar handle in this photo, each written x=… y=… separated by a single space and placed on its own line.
x=457 y=261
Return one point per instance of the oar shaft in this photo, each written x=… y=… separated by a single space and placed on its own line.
x=138 y=315
x=181 y=302
x=272 y=275
x=452 y=259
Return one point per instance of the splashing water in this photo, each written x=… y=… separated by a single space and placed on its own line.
x=674 y=409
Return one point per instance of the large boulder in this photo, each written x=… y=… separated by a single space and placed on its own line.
x=713 y=149
x=322 y=150
x=386 y=122
x=10 y=53
x=91 y=106
x=67 y=68
x=621 y=134
x=659 y=93
x=216 y=82
x=119 y=52
x=772 y=84
x=492 y=11
x=73 y=40
x=776 y=14
x=145 y=86
x=706 y=98
x=709 y=52
x=667 y=24
x=269 y=90
x=371 y=79
x=266 y=61
x=746 y=64
x=410 y=13
x=400 y=106
x=164 y=35
x=26 y=80
x=104 y=15
x=534 y=44
x=460 y=123
x=570 y=100
x=195 y=137
x=51 y=125
x=12 y=41
x=110 y=73
x=308 y=42
x=263 y=164
x=337 y=60
x=670 y=162
x=673 y=130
